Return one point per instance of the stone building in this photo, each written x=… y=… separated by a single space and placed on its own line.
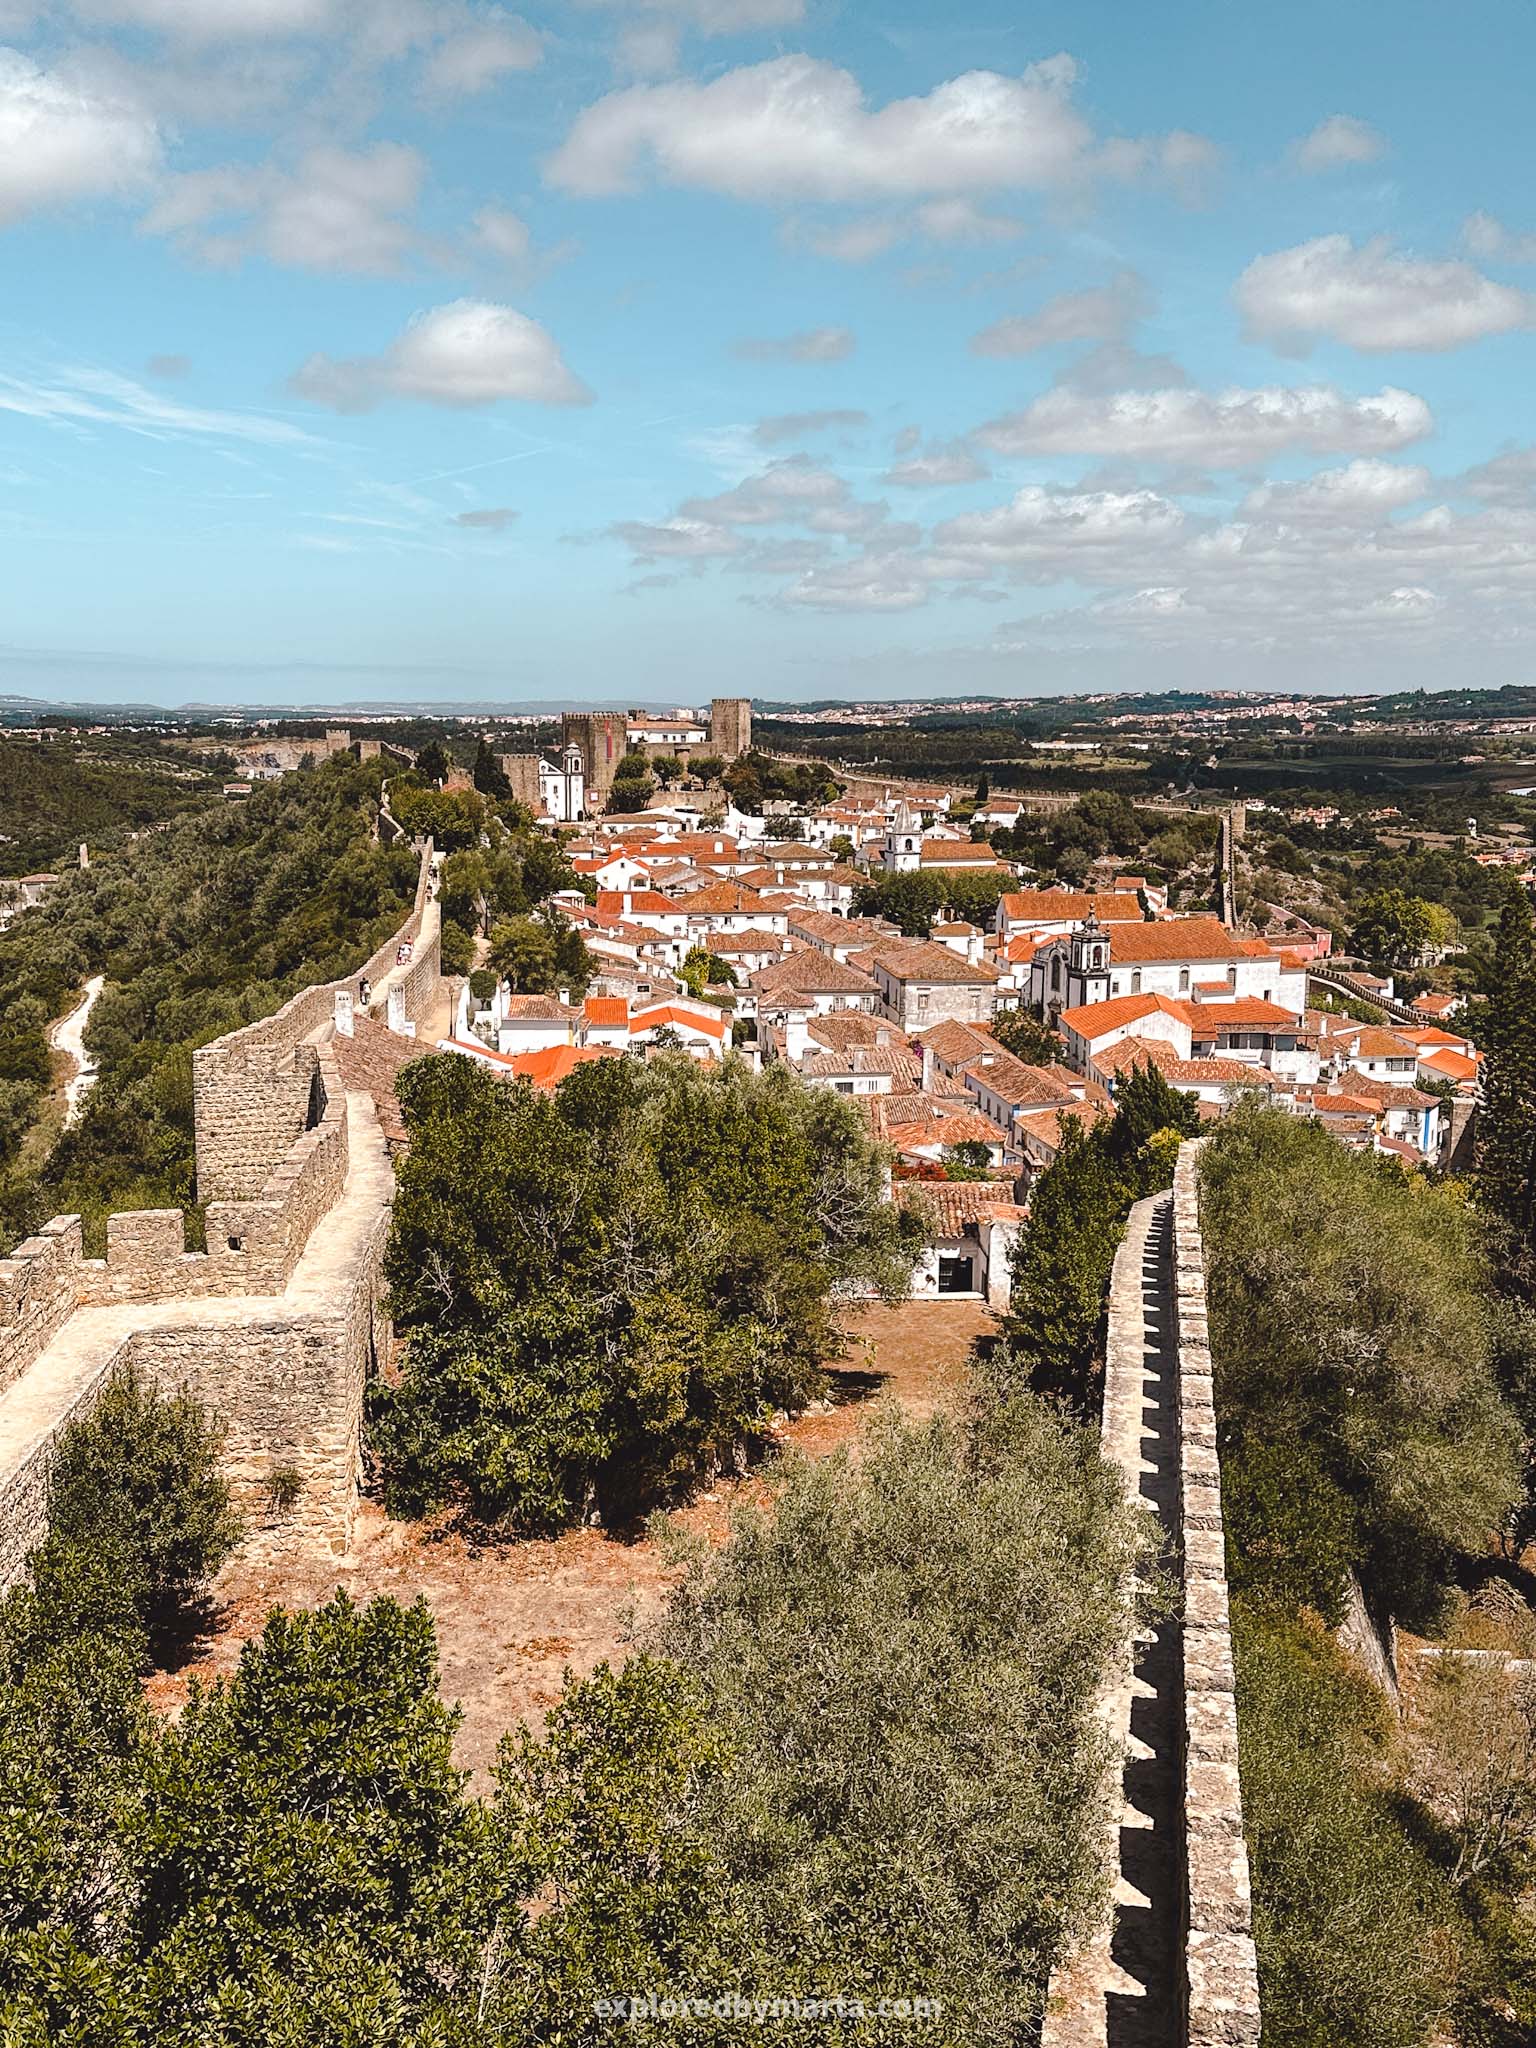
x=603 y=738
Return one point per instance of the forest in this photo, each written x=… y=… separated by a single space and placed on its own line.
x=56 y=792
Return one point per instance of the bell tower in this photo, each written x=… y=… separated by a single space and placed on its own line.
x=1088 y=967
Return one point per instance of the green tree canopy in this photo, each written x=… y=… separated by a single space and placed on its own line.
x=607 y=1288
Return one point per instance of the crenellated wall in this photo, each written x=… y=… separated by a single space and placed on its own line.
x=274 y=1325
x=1175 y=1961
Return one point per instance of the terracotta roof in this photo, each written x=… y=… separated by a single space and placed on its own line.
x=956 y=853
x=1055 y=906
x=672 y=1015
x=1371 y=1042
x=1044 y=1125
x=924 y=961
x=1244 y=1014
x=720 y=898
x=726 y=945
x=1389 y=1094
x=607 y=1013
x=369 y=1063
x=1174 y=938
x=812 y=973
x=852 y=1027
x=955 y=1203
x=962 y=1127
x=538 y=1009
x=917 y=1107
x=650 y=902
x=1451 y=1064
x=1092 y=1020
x=893 y=1060
x=956 y=1042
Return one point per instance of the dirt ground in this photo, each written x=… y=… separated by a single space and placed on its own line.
x=511 y=1621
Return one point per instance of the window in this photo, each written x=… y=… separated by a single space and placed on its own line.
x=1136 y=982
x=922 y=1002
x=1183 y=981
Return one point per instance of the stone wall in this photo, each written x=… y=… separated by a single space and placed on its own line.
x=39 y=1287
x=253 y=1092
x=1221 y=1979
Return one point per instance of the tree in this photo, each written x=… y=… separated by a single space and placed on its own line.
x=136 y=1487
x=433 y=763
x=633 y=784
x=707 y=767
x=488 y=775
x=540 y=954
x=1061 y=1272
x=1352 y=1335
x=1027 y=1038
x=302 y=1861
x=1397 y=930
x=608 y=1289
x=1506 y=1122
x=456 y=948
x=703 y=970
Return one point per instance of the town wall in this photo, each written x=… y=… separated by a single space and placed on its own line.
x=522 y=773
x=283 y=1364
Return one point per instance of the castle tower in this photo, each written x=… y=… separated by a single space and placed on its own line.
x=600 y=737
x=730 y=726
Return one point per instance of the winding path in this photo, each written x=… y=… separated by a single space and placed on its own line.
x=68 y=1037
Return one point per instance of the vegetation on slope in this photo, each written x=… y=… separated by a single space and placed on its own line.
x=1360 y=1351
x=58 y=792
x=199 y=928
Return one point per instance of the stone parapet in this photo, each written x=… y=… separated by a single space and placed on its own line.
x=1221 y=1978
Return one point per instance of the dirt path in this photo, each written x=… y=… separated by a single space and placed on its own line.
x=68 y=1038
x=511 y=1621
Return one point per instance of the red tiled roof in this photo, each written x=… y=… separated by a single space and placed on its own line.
x=925 y=961
x=1055 y=906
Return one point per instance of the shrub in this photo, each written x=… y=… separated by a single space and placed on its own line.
x=139 y=1518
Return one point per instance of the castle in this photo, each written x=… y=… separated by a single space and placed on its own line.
x=593 y=743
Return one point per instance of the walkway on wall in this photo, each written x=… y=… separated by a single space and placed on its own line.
x=67 y=1371
x=1124 y=1991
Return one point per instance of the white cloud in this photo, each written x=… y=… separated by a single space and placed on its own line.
x=1336 y=143
x=798 y=128
x=1373 y=298
x=503 y=235
x=338 y=210
x=676 y=540
x=1102 y=313
x=713 y=17
x=866 y=584
x=1508 y=479
x=471 y=58
x=1495 y=243
x=818 y=345
x=789 y=489
x=1359 y=493
x=61 y=143
x=1231 y=429
x=468 y=353
x=948 y=463
x=794 y=426
x=1054 y=533
x=215 y=20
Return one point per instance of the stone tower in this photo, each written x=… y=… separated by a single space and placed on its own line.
x=730 y=726
x=600 y=737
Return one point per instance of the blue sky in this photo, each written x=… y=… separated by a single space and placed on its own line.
x=640 y=350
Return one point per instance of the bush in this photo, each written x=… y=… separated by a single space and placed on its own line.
x=482 y=984
x=138 y=1515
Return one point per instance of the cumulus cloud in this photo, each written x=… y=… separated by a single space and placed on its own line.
x=1360 y=492
x=1102 y=313
x=795 y=426
x=338 y=210
x=1232 y=429
x=1509 y=479
x=1373 y=298
x=952 y=462
x=1042 y=531
x=61 y=143
x=797 y=127
x=1337 y=143
x=469 y=353
x=1490 y=239
x=817 y=345
x=792 y=488
x=488 y=519
x=712 y=17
